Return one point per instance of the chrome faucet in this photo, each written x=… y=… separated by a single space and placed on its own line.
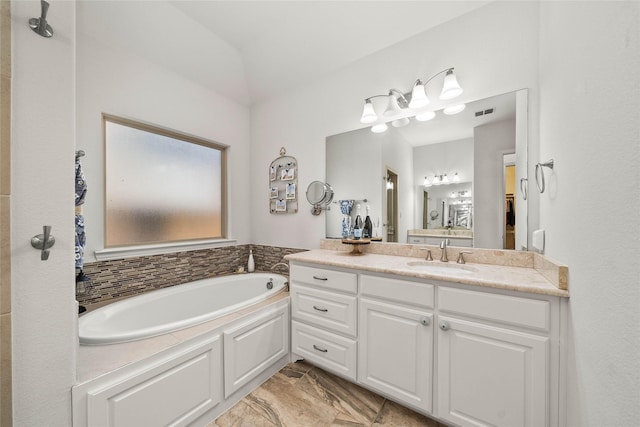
x=443 y=246
x=284 y=264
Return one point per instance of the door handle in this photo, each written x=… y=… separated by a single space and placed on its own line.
x=43 y=242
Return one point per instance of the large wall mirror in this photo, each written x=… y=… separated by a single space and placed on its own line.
x=480 y=153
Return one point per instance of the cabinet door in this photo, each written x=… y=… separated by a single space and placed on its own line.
x=490 y=376
x=395 y=352
x=252 y=347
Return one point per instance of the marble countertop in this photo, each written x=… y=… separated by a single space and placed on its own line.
x=520 y=279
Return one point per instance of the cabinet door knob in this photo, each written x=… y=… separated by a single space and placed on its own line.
x=444 y=325
x=425 y=321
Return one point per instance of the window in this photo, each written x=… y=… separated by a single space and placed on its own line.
x=161 y=186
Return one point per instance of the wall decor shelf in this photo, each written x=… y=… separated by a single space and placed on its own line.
x=283 y=184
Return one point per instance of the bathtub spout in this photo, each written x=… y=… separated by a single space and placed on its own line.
x=283 y=264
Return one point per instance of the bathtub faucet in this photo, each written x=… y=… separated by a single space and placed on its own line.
x=283 y=264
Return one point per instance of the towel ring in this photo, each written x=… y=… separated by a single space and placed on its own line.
x=540 y=176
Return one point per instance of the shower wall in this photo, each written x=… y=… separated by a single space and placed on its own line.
x=108 y=280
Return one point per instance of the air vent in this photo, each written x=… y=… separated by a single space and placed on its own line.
x=485 y=112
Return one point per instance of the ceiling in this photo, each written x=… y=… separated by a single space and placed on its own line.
x=250 y=51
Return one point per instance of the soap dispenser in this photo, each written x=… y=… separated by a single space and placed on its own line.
x=251 y=266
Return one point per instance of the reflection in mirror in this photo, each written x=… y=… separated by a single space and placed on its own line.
x=450 y=175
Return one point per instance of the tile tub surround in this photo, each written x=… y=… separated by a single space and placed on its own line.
x=114 y=279
x=555 y=273
x=303 y=395
x=520 y=279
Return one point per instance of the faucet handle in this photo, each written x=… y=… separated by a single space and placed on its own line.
x=428 y=257
x=461 y=257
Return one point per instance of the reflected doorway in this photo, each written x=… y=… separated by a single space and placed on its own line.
x=509 y=230
x=392 y=206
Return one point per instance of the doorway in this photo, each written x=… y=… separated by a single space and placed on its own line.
x=509 y=229
x=392 y=205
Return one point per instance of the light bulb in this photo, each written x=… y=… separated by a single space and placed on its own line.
x=450 y=88
x=398 y=123
x=419 y=97
x=379 y=128
x=454 y=109
x=392 y=106
x=425 y=116
x=368 y=113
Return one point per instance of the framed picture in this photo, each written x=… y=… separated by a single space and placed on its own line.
x=273 y=193
x=290 y=193
x=281 y=205
x=273 y=173
x=287 y=174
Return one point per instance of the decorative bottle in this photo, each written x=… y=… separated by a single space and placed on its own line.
x=367 y=231
x=357 y=227
x=251 y=266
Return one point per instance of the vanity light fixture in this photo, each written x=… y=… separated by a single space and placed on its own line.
x=456 y=177
x=397 y=101
x=442 y=179
x=427 y=183
x=425 y=116
x=454 y=109
x=379 y=128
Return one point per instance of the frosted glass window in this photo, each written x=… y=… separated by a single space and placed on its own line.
x=161 y=186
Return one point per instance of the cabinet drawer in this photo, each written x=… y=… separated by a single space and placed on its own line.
x=415 y=239
x=324 y=278
x=506 y=309
x=329 y=351
x=404 y=291
x=329 y=310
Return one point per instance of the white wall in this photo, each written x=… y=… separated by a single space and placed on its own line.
x=496 y=51
x=589 y=122
x=491 y=142
x=353 y=166
x=44 y=313
x=397 y=155
x=113 y=81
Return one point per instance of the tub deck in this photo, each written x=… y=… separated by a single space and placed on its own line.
x=94 y=361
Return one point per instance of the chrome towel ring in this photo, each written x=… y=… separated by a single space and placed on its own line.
x=540 y=176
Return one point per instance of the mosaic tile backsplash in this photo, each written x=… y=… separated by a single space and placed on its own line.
x=127 y=277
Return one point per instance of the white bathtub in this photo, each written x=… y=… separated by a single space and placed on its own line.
x=177 y=307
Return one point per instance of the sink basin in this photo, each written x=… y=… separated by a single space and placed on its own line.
x=440 y=268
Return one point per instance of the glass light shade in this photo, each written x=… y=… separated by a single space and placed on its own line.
x=436 y=180
x=379 y=128
x=389 y=185
x=427 y=183
x=425 y=116
x=368 y=113
x=419 y=97
x=456 y=177
x=450 y=88
x=445 y=180
x=454 y=109
x=392 y=107
x=398 y=123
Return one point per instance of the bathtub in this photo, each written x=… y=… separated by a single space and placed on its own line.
x=177 y=307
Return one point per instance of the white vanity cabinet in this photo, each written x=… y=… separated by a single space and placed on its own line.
x=467 y=355
x=395 y=348
x=324 y=315
x=494 y=358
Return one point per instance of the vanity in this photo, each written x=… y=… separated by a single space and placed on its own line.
x=473 y=344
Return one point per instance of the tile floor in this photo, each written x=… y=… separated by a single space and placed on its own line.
x=302 y=395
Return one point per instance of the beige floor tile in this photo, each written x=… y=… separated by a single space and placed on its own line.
x=352 y=402
x=278 y=402
x=241 y=415
x=396 y=415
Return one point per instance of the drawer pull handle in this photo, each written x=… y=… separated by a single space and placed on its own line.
x=320 y=278
x=324 y=310
x=324 y=350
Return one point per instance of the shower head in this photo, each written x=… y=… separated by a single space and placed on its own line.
x=39 y=25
